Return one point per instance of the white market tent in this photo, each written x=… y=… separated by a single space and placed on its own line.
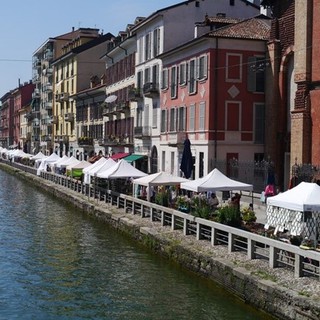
x=215 y=181
x=304 y=197
x=101 y=165
x=70 y=161
x=159 y=179
x=46 y=161
x=296 y=210
x=39 y=155
x=61 y=160
x=121 y=169
x=75 y=169
x=80 y=165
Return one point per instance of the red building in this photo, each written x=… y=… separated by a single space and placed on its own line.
x=12 y=103
x=213 y=92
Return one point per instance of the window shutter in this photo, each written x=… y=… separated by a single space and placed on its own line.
x=251 y=81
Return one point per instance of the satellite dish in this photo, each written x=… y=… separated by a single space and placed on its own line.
x=111 y=98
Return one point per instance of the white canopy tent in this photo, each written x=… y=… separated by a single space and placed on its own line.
x=304 y=197
x=215 y=181
x=158 y=179
x=46 y=161
x=80 y=165
x=101 y=165
x=39 y=155
x=121 y=169
x=57 y=163
x=296 y=210
x=68 y=161
x=76 y=169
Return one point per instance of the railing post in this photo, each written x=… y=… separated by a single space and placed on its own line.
x=214 y=241
x=231 y=238
x=298 y=265
x=273 y=257
x=173 y=222
x=162 y=218
x=198 y=236
x=250 y=252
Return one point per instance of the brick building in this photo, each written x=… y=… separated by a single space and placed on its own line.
x=292 y=134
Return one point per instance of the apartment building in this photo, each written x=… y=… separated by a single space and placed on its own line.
x=160 y=32
x=212 y=92
x=73 y=70
x=41 y=117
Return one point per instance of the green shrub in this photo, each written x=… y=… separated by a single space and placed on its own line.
x=248 y=215
x=229 y=215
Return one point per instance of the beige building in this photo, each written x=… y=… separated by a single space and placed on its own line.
x=72 y=73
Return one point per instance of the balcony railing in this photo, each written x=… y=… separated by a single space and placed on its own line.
x=85 y=141
x=135 y=94
x=151 y=89
x=60 y=97
x=48 y=105
x=176 y=138
x=69 y=116
x=143 y=132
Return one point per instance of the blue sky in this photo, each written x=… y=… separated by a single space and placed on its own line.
x=26 y=25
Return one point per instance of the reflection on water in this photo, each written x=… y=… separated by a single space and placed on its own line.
x=57 y=264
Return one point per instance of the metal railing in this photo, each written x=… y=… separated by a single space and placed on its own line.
x=278 y=254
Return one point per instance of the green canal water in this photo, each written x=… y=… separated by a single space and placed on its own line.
x=56 y=263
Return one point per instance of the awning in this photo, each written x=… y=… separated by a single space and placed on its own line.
x=119 y=155
x=133 y=157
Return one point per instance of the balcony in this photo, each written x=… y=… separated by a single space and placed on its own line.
x=48 y=87
x=48 y=105
x=64 y=96
x=54 y=120
x=68 y=116
x=135 y=94
x=176 y=139
x=85 y=141
x=46 y=138
x=151 y=90
x=29 y=116
x=143 y=132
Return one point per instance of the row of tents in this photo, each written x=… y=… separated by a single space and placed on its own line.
x=292 y=210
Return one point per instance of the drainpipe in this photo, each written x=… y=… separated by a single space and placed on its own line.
x=215 y=90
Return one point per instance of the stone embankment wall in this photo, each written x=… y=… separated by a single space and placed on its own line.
x=271 y=290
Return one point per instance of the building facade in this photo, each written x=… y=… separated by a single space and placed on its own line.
x=212 y=92
x=160 y=32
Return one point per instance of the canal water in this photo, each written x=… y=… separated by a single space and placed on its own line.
x=56 y=263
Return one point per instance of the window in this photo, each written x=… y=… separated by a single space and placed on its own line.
x=147 y=75
x=163 y=161
x=256 y=74
x=148 y=46
x=172 y=162
x=155 y=74
x=173 y=85
x=163 y=120
x=259 y=126
x=202 y=67
x=156 y=42
x=139 y=116
x=164 y=79
x=140 y=50
x=181 y=123
x=234 y=67
x=155 y=115
x=191 y=117
x=192 y=77
x=139 y=80
x=172 y=119
x=182 y=74
x=233 y=116
x=202 y=116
